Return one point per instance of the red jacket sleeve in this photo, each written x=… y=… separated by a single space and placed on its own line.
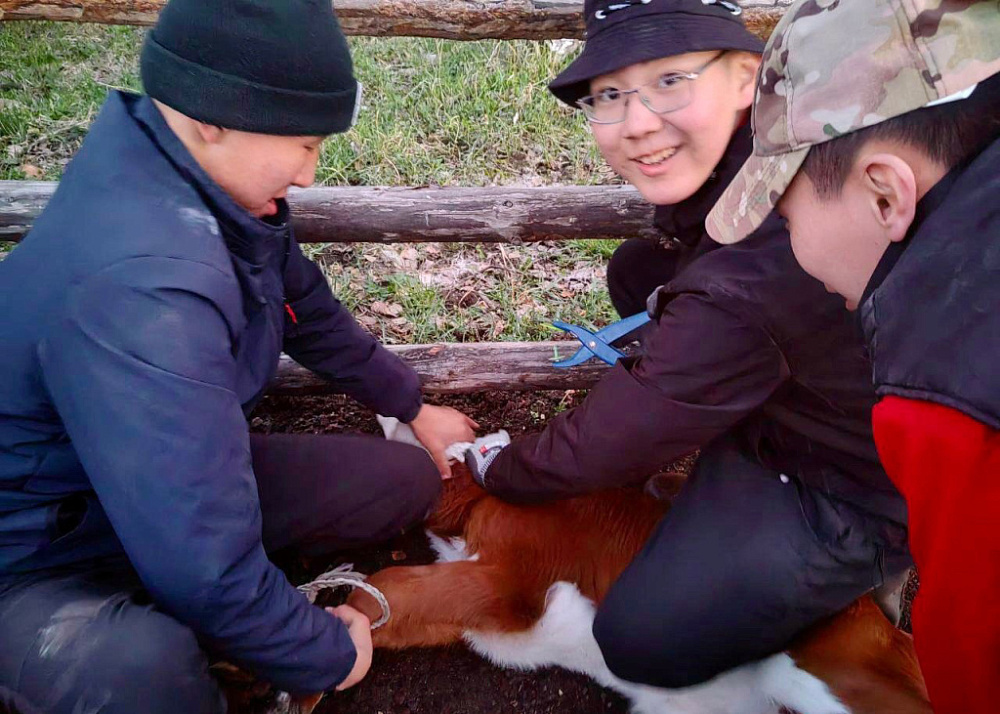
x=947 y=466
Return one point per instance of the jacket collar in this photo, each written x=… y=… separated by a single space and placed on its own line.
x=928 y=315
x=684 y=222
x=246 y=236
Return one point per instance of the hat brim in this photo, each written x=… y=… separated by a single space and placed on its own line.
x=646 y=38
x=752 y=195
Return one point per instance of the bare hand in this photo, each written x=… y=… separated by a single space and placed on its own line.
x=437 y=428
x=359 y=628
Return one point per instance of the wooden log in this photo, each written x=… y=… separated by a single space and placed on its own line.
x=468 y=367
x=495 y=214
x=20 y=204
x=449 y=19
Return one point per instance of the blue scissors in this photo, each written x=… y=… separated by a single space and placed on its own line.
x=598 y=344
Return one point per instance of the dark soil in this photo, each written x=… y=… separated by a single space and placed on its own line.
x=437 y=680
x=517 y=412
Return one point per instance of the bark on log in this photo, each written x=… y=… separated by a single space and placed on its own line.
x=390 y=215
x=449 y=19
x=467 y=367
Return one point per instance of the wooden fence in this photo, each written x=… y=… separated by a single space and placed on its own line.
x=449 y=19
x=494 y=214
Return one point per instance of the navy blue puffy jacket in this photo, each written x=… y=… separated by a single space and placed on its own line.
x=142 y=318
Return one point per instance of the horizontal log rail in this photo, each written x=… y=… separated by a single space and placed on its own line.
x=496 y=214
x=449 y=19
x=448 y=368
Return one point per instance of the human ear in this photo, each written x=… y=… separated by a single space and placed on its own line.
x=891 y=193
x=743 y=68
x=209 y=133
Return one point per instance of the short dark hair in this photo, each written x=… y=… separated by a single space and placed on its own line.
x=947 y=133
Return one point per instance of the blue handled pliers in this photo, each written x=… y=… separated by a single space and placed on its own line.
x=598 y=344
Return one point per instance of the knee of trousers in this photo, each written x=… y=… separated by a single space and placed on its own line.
x=144 y=661
x=425 y=491
x=13 y=703
x=636 y=652
x=413 y=489
x=621 y=272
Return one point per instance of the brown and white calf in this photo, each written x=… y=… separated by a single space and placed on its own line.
x=520 y=586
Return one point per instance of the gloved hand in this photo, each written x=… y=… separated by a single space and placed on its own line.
x=483 y=452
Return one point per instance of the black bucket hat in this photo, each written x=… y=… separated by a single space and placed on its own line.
x=625 y=32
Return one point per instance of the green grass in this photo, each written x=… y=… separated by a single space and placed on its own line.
x=434 y=113
x=454 y=113
x=468 y=292
x=598 y=249
x=53 y=80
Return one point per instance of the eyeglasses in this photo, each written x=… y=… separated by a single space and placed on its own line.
x=667 y=93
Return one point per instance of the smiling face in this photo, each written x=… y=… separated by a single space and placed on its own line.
x=668 y=157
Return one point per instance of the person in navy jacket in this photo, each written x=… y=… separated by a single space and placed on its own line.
x=143 y=318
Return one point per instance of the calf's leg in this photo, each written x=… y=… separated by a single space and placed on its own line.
x=869 y=664
x=434 y=604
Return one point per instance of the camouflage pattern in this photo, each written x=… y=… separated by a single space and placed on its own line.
x=835 y=66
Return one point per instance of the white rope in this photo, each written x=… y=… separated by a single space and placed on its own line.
x=344 y=576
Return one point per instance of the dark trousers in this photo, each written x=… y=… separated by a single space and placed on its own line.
x=637 y=267
x=745 y=559
x=89 y=639
x=743 y=562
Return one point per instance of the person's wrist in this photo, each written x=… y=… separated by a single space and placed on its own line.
x=411 y=414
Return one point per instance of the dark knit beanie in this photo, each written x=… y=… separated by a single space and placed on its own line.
x=265 y=66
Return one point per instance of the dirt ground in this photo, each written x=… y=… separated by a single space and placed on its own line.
x=434 y=680
x=449 y=680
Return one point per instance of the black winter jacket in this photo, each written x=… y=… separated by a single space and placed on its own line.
x=747 y=345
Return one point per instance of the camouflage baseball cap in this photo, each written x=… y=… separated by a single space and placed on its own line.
x=832 y=67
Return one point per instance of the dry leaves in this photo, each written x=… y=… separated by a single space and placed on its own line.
x=388 y=309
x=463 y=292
